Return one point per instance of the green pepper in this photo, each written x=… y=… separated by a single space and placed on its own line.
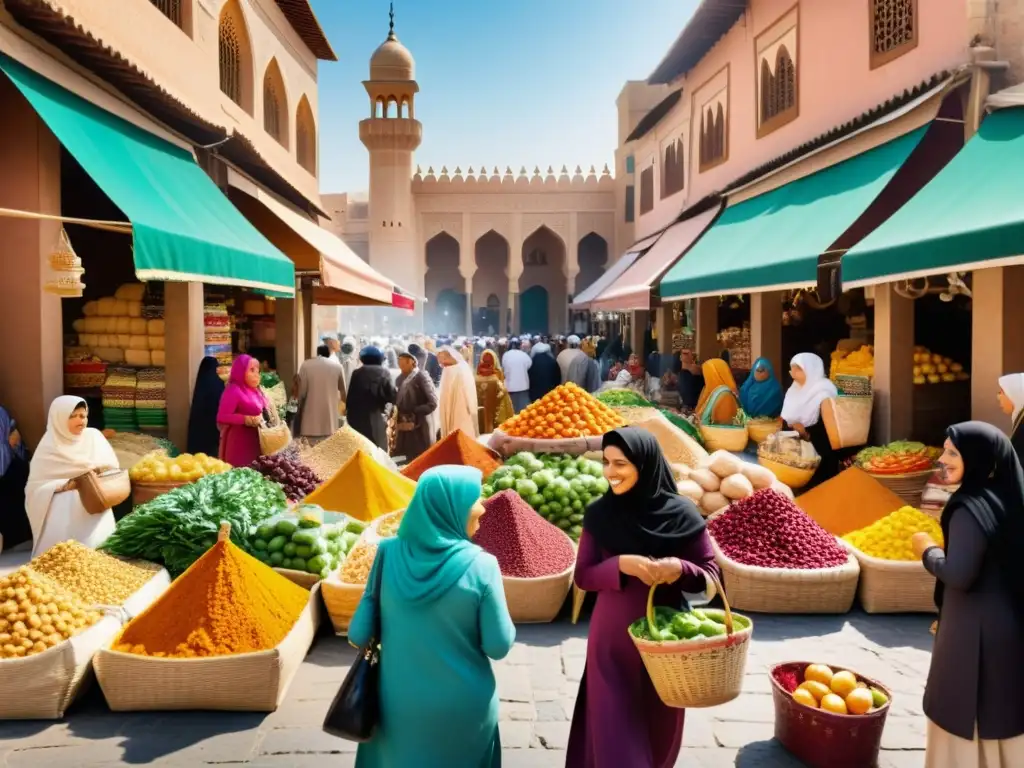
x=276 y=558
x=289 y=549
x=305 y=536
x=286 y=563
x=266 y=531
x=276 y=544
x=259 y=545
x=303 y=551
x=298 y=564
x=285 y=527
x=317 y=564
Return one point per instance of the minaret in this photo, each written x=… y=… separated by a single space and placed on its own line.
x=392 y=134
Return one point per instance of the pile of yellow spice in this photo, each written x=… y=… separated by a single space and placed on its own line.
x=94 y=577
x=890 y=537
x=36 y=614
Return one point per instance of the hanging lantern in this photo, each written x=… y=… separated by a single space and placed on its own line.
x=65 y=279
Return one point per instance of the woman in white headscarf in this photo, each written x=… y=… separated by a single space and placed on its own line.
x=801 y=410
x=1011 y=400
x=69 y=449
x=458 y=404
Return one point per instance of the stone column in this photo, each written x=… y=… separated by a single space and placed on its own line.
x=638 y=329
x=997 y=316
x=304 y=323
x=893 y=415
x=30 y=320
x=766 y=329
x=469 y=305
x=707 y=328
x=572 y=269
x=515 y=271
x=665 y=326
x=286 y=347
x=183 y=319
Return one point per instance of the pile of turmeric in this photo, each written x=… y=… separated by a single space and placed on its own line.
x=227 y=602
x=364 y=489
x=848 y=502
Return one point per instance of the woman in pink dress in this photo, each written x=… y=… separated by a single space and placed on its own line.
x=241 y=413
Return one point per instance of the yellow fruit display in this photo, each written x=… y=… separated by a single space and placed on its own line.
x=843 y=683
x=935 y=369
x=840 y=693
x=832 y=702
x=859 y=701
x=564 y=412
x=803 y=696
x=889 y=538
x=860 y=362
x=818 y=673
x=186 y=468
x=816 y=689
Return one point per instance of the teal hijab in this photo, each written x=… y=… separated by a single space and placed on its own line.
x=433 y=551
x=761 y=398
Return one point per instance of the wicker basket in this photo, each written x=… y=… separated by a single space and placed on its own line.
x=143 y=492
x=537 y=600
x=854 y=386
x=724 y=437
x=908 y=487
x=578 y=596
x=894 y=586
x=341 y=600
x=847 y=420
x=794 y=477
x=782 y=590
x=702 y=672
x=759 y=431
x=821 y=739
x=243 y=682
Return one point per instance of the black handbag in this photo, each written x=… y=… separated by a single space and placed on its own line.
x=355 y=712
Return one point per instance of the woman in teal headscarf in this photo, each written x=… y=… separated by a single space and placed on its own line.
x=443 y=617
x=761 y=394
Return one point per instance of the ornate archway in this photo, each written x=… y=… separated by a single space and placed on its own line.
x=592 y=255
x=443 y=280
x=543 y=264
x=490 y=281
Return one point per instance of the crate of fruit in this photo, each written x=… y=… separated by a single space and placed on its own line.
x=776 y=559
x=828 y=716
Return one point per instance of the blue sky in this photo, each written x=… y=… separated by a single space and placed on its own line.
x=522 y=82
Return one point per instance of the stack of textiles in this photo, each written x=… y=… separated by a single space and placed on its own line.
x=151 y=400
x=119 y=399
x=153 y=301
x=218 y=336
x=82 y=370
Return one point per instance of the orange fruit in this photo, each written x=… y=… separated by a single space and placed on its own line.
x=859 y=701
x=818 y=673
x=832 y=703
x=816 y=689
x=842 y=683
x=803 y=696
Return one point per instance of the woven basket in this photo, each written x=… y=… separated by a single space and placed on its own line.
x=794 y=477
x=908 y=487
x=243 y=682
x=724 y=437
x=702 y=672
x=782 y=590
x=821 y=739
x=537 y=600
x=847 y=420
x=302 y=578
x=341 y=600
x=143 y=492
x=759 y=431
x=893 y=586
x=855 y=386
x=578 y=596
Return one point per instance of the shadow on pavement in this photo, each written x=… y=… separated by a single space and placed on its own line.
x=766 y=754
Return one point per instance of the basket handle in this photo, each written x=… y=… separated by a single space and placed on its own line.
x=729 y=627
x=709 y=406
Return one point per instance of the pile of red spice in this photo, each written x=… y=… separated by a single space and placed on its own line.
x=770 y=531
x=786 y=677
x=526 y=545
x=457 y=448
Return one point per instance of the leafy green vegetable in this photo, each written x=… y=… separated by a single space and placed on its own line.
x=624 y=398
x=683 y=424
x=172 y=528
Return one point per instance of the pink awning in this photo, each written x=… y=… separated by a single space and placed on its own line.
x=632 y=291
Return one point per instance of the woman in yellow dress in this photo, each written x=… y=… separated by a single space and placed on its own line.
x=717 y=373
x=496 y=405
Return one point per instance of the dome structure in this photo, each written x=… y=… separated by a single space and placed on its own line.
x=392 y=60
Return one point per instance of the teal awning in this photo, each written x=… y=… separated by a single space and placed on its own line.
x=773 y=241
x=969 y=216
x=183 y=226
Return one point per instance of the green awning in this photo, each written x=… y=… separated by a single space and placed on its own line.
x=183 y=226
x=773 y=241
x=968 y=217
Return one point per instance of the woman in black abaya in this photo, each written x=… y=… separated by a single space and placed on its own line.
x=203 y=432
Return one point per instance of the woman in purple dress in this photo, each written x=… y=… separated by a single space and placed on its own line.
x=639 y=534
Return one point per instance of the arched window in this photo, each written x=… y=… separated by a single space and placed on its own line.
x=778 y=92
x=673 y=172
x=235 y=56
x=305 y=136
x=171 y=9
x=275 y=104
x=893 y=29
x=767 y=91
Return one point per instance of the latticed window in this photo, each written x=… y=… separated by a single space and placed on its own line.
x=778 y=92
x=271 y=108
x=893 y=29
x=712 y=137
x=630 y=204
x=169 y=8
x=647 y=189
x=673 y=169
x=230 y=51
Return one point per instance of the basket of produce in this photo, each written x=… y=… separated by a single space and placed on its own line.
x=566 y=420
x=792 y=460
x=720 y=480
x=694 y=658
x=903 y=467
x=86 y=591
x=157 y=473
x=853 y=386
x=828 y=716
x=297 y=480
x=776 y=559
x=558 y=486
x=761 y=428
x=536 y=558
x=847 y=420
x=344 y=589
x=228 y=634
x=721 y=435
x=892 y=578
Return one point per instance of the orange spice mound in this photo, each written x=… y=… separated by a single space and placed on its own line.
x=457 y=448
x=227 y=602
x=566 y=411
x=851 y=500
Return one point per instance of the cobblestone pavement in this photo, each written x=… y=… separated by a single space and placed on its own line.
x=538 y=683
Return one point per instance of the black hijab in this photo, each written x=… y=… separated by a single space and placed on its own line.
x=992 y=490
x=651 y=518
x=203 y=433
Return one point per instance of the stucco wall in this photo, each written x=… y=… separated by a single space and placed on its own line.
x=835 y=84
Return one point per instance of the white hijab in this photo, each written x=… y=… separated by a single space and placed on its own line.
x=1012 y=385
x=458 y=404
x=60 y=457
x=803 y=401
